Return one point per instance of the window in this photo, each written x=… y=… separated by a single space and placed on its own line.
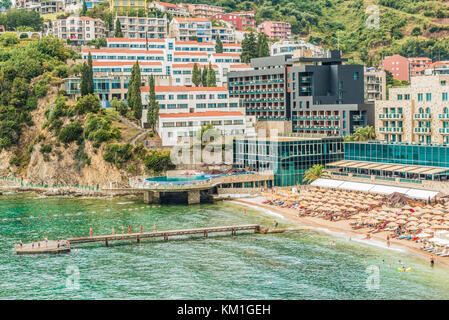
x=444 y=96
x=428 y=97
x=356 y=76
x=420 y=96
x=399 y=96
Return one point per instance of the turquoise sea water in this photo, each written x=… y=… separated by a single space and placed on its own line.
x=298 y=265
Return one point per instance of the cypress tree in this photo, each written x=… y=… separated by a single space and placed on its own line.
x=84 y=87
x=84 y=9
x=136 y=94
x=90 y=75
x=249 y=48
x=153 y=106
x=262 y=46
x=204 y=77
x=218 y=45
x=118 y=29
x=196 y=75
x=211 y=77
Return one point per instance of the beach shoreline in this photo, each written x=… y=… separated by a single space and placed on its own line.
x=343 y=228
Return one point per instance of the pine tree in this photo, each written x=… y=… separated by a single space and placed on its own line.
x=118 y=29
x=90 y=75
x=218 y=45
x=249 y=48
x=153 y=106
x=196 y=75
x=204 y=77
x=84 y=9
x=211 y=77
x=84 y=87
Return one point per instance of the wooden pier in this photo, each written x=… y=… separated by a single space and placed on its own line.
x=230 y=230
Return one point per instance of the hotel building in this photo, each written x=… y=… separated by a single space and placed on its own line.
x=173 y=9
x=289 y=46
x=315 y=95
x=288 y=157
x=191 y=29
x=143 y=27
x=239 y=20
x=418 y=113
x=226 y=35
x=79 y=30
x=184 y=110
x=275 y=29
x=202 y=10
x=375 y=85
x=117 y=5
x=398 y=65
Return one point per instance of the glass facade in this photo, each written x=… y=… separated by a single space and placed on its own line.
x=402 y=153
x=288 y=158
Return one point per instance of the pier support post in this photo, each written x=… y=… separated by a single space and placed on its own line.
x=206 y=233
x=165 y=236
x=151 y=197
x=106 y=242
x=193 y=197
x=138 y=239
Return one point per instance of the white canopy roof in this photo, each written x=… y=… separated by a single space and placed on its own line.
x=376 y=188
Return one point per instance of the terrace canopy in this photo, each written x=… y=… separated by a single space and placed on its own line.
x=392 y=170
x=374 y=188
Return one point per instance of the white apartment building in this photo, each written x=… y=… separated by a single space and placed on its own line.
x=42 y=6
x=202 y=10
x=191 y=29
x=143 y=27
x=174 y=9
x=183 y=110
x=226 y=35
x=375 y=85
x=79 y=30
x=289 y=46
x=232 y=48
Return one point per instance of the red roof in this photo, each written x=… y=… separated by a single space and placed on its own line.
x=232 y=45
x=133 y=40
x=123 y=63
x=117 y=50
x=182 y=89
x=190 y=65
x=240 y=66
x=226 y=54
x=191 y=19
x=190 y=53
x=201 y=114
x=166 y=4
x=193 y=42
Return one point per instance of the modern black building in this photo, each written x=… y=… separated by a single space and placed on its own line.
x=320 y=95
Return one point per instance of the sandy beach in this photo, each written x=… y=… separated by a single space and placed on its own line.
x=342 y=228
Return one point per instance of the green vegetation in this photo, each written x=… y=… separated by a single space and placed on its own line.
x=133 y=96
x=14 y=19
x=87 y=77
x=118 y=29
x=118 y=154
x=70 y=132
x=218 y=45
x=89 y=103
x=158 y=161
x=153 y=106
x=254 y=47
x=98 y=129
x=196 y=75
x=315 y=172
x=211 y=77
x=362 y=134
x=18 y=66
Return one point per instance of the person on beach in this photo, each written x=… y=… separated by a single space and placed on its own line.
x=141 y=228
x=39 y=244
x=90 y=232
x=46 y=242
x=244 y=211
x=20 y=243
x=155 y=230
x=123 y=229
x=68 y=244
x=32 y=245
x=113 y=230
x=58 y=245
x=276 y=224
x=432 y=261
x=129 y=229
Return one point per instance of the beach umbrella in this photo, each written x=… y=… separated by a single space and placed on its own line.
x=392 y=224
x=426 y=216
x=401 y=221
x=424 y=225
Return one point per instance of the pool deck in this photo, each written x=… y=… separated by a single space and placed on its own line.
x=50 y=248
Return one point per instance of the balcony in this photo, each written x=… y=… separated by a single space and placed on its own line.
x=443 y=116
x=443 y=130
x=317 y=118
x=391 y=129
x=419 y=116
x=422 y=130
x=391 y=116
